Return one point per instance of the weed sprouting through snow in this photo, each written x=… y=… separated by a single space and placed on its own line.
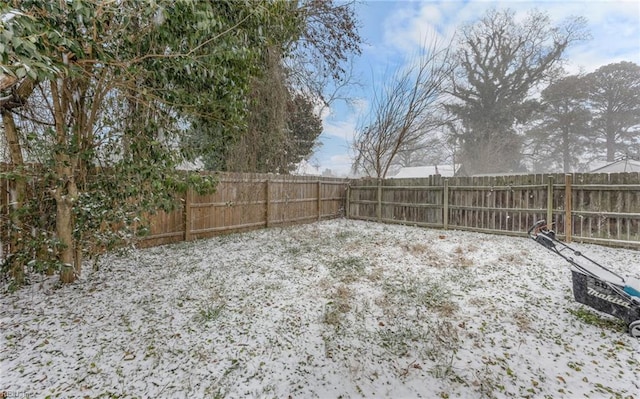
x=209 y=312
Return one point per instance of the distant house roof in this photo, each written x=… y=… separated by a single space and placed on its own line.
x=621 y=165
x=413 y=172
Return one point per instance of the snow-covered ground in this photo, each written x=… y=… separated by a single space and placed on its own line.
x=336 y=309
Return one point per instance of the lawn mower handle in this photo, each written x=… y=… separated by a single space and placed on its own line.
x=536 y=226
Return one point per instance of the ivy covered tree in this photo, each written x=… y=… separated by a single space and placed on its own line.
x=221 y=112
x=302 y=59
x=111 y=85
x=282 y=126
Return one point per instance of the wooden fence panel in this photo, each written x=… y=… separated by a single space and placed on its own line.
x=241 y=202
x=333 y=195
x=606 y=207
x=165 y=228
x=249 y=201
x=414 y=201
x=293 y=201
x=363 y=200
x=599 y=208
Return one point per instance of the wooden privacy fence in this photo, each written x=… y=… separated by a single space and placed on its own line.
x=597 y=208
x=249 y=201
x=241 y=202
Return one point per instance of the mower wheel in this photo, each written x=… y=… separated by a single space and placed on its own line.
x=634 y=329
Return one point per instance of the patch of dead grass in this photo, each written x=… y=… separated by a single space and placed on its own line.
x=522 y=321
x=376 y=274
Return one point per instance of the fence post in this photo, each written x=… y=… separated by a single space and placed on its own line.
x=445 y=204
x=568 y=202
x=188 y=199
x=550 y=202
x=319 y=200
x=379 y=208
x=267 y=214
x=347 y=201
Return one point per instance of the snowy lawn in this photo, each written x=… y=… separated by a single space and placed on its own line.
x=337 y=309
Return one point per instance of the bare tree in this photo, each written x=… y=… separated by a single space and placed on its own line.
x=404 y=113
x=319 y=63
x=422 y=152
x=501 y=61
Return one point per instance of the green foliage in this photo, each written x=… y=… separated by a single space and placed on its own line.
x=594 y=319
x=209 y=70
x=300 y=48
x=304 y=127
x=120 y=87
x=224 y=111
x=38 y=245
x=42 y=39
x=101 y=65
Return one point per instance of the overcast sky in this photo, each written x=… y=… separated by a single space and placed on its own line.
x=394 y=30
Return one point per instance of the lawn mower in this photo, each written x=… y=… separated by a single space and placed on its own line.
x=593 y=284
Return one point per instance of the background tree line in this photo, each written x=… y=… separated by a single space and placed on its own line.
x=101 y=100
x=505 y=103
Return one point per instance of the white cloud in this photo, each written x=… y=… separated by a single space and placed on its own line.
x=339 y=127
x=408 y=29
x=344 y=127
x=614 y=25
x=340 y=165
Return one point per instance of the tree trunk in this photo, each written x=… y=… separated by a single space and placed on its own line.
x=64 y=231
x=66 y=191
x=611 y=140
x=611 y=147
x=18 y=194
x=566 y=153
